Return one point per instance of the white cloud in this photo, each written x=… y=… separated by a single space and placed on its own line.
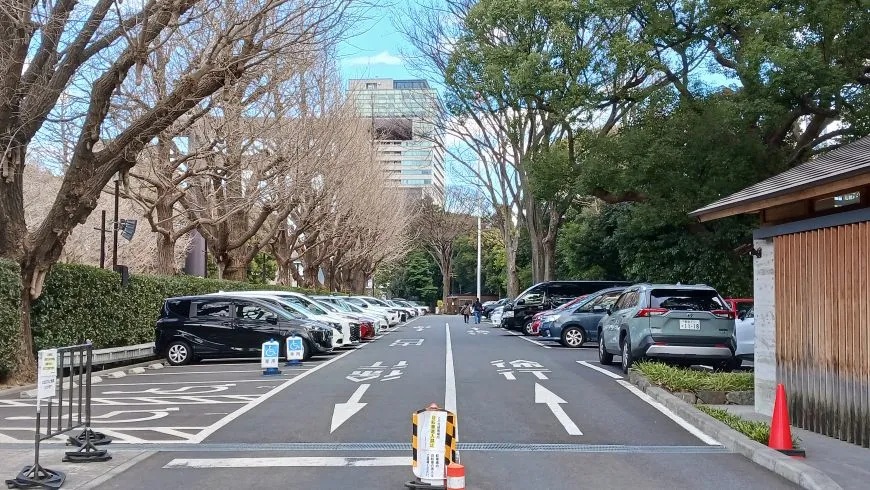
x=382 y=58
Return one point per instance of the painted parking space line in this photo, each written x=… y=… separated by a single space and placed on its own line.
x=599 y=369
x=287 y=462
x=185 y=373
x=274 y=391
x=669 y=414
x=153 y=383
x=527 y=339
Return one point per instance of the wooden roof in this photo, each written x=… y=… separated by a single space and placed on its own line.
x=843 y=168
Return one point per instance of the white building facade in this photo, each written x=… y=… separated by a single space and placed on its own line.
x=403 y=115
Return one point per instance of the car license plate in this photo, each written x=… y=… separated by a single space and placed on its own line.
x=690 y=324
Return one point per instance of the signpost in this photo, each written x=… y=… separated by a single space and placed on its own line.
x=433 y=446
x=295 y=350
x=46 y=381
x=269 y=358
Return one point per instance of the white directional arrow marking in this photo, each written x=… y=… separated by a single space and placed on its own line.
x=344 y=411
x=187 y=390
x=553 y=402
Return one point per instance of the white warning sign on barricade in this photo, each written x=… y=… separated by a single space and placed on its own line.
x=432 y=436
x=46 y=380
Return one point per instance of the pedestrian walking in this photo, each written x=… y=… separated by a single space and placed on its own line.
x=465 y=311
x=478 y=310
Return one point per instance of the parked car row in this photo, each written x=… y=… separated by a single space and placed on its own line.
x=235 y=324
x=684 y=324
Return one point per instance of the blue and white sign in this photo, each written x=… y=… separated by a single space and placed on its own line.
x=295 y=349
x=269 y=358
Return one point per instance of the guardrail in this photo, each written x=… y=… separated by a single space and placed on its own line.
x=126 y=353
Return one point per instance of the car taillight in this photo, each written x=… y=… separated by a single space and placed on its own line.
x=723 y=314
x=647 y=312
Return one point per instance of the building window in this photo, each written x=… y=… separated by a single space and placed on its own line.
x=834 y=202
x=371 y=86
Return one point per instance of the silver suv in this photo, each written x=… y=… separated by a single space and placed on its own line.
x=685 y=324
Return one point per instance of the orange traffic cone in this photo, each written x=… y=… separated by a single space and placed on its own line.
x=780 y=428
x=455 y=476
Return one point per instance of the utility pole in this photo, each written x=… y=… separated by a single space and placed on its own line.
x=479 y=235
x=115 y=225
x=103 y=240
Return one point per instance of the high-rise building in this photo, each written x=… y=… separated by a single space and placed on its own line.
x=403 y=115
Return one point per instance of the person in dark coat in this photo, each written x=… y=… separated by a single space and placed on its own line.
x=477 y=308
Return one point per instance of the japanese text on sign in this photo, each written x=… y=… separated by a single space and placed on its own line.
x=47 y=374
x=295 y=349
x=270 y=354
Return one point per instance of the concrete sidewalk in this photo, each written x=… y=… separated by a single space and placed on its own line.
x=79 y=476
x=847 y=464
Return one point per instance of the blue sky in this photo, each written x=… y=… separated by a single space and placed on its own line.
x=375 y=51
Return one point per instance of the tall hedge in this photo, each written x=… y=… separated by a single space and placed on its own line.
x=80 y=302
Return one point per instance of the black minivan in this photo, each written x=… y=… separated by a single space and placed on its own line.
x=546 y=296
x=191 y=328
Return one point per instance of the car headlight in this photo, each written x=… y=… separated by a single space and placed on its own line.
x=550 y=318
x=507 y=314
x=336 y=326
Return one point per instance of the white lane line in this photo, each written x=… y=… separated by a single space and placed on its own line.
x=288 y=462
x=274 y=391
x=600 y=369
x=669 y=414
x=172 y=432
x=529 y=340
x=450 y=376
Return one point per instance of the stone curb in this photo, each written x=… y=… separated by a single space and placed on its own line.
x=789 y=468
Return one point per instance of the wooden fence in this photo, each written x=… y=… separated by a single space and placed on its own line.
x=823 y=329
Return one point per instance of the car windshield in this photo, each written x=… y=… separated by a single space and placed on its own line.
x=686 y=299
x=285 y=310
x=357 y=302
x=325 y=305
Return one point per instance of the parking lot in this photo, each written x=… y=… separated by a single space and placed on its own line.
x=170 y=405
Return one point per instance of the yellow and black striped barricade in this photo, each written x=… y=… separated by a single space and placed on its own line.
x=433 y=446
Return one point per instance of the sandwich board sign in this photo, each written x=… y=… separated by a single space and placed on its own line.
x=269 y=357
x=295 y=349
x=433 y=442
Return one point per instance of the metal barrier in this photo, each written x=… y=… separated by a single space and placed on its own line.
x=60 y=418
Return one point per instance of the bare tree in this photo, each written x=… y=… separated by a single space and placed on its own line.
x=438 y=228
x=91 y=48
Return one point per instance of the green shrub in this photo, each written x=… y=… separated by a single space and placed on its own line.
x=674 y=378
x=755 y=430
x=10 y=293
x=81 y=302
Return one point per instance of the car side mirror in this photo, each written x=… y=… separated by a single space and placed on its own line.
x=520 y=302
x=599 y=309
x=609 y=310
x=273 y=320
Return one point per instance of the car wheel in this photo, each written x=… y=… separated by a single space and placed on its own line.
x=573 y=337
x=626 y=354
x=179 y=353
x=527 y=330
x=604 y=357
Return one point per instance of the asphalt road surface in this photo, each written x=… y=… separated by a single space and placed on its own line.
x=530 y=416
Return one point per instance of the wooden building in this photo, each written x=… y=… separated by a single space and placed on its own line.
x=812 y=289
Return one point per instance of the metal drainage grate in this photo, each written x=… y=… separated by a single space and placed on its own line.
x=388 y=446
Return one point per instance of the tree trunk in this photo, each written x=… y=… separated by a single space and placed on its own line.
x=165 y=255
x=513 y=280
x=445 y=283
x=548 y=258
x=285 y=275
x=25 y=371
x=232 y=266
x=14 y=229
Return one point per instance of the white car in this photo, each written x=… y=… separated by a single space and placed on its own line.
x=409 y=312
x=495 y=316
x=344 y=325
x=342 y=310
x=383 y=320
x=744 y=331
x=392 y=314
x=418 y=310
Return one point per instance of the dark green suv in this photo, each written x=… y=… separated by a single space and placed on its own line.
x=684 y=324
